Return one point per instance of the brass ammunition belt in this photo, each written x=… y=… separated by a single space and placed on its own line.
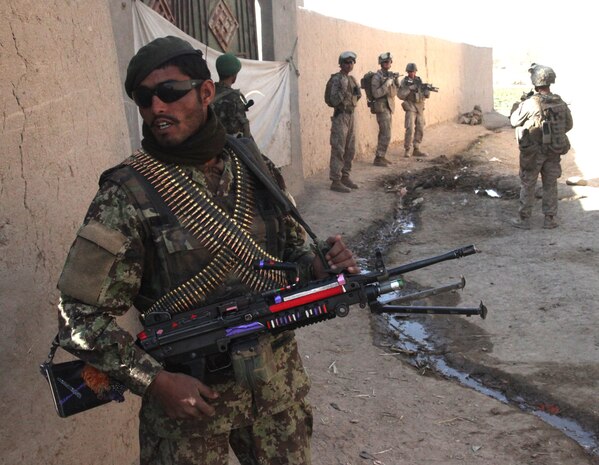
x=226 y=237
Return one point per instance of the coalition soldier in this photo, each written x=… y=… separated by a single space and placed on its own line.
x=413 y=94
x=384 y=91
x=342 y=93
x=170 y=229
x=230 y=105
x=541 y=121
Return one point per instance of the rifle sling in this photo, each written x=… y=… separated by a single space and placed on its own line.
x=257 y=166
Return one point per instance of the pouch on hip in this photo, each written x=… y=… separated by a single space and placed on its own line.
x=253 y=361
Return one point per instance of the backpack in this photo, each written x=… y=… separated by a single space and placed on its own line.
x=327 y=92
x=366 y=84
x=553 y=124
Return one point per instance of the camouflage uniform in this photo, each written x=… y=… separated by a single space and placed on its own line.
x=538 y=158
x=413 y=105
x=130 y=251
x=343 y=134
x=384 y=91
x=230 y=108
x=473 y=117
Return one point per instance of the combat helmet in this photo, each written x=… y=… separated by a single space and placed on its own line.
x=541 y=75
x=385 y=56
x=347 y=55
x=411 y=67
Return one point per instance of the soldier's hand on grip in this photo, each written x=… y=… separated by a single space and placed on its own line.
x=182 y=396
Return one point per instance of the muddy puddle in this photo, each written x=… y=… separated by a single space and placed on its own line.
x=412 y=339
x=415 y=337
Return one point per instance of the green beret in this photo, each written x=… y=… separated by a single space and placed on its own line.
x=152 y=55
x=227 y=65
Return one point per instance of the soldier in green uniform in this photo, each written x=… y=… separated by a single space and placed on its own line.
x=541 y=121
x=229 y=104
x=384 y=89
x=413 y=95
x=140 y=246
x=344 y=93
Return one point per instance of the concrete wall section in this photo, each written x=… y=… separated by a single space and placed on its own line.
x=462 y=72
x=62 y=124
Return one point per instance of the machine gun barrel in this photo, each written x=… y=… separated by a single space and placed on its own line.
x=452 y=255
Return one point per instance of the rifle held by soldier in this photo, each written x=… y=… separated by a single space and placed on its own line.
x=427 y=86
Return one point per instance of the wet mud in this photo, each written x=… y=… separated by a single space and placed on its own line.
x=426 y=343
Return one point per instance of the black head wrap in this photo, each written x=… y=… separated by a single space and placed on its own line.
x=152 y=56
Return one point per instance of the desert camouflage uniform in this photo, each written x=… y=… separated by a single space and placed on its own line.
x=538 y=158
x=413 y=105
x=129 y=252
x=384 y=91
x=343 y=132
x=473 y=117
x=229 y=106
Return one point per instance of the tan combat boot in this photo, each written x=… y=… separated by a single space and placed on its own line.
x=381 y=161
x=346 y=181
x=338 y=187
x=521 y=223
x=550 y=222
x=419 y=154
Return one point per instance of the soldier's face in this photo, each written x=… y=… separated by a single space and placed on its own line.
x=347 y=66
x=386 y=65
x=172 y=123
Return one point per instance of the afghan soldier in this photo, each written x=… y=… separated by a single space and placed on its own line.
x=343 y=93
x=384 y=91
x=165 y=250
x=229 y=104
x=541 y=121
x=413 y=94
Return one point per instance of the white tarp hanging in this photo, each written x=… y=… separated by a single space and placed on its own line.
x=265 y=82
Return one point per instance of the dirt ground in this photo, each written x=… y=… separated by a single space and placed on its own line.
x=384 y=388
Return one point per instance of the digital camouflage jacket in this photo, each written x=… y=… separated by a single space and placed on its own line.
x=130 y=251
x=229 y=105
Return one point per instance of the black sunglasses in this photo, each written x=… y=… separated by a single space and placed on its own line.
x=167 y=91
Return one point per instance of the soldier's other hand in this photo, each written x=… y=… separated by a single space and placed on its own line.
x=413 y=88
x=182 y=396
x=338 y=258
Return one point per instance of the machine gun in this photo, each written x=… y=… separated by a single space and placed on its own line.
x=186 y=339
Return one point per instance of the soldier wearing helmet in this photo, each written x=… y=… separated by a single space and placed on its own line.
x=410 y=67
x=541 y=121
x=347 y=56
x=413 y=94
x=384 y=86
x=342 y=93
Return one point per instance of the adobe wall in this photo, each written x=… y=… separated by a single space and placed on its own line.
x=463 y=73
x=62 y=124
